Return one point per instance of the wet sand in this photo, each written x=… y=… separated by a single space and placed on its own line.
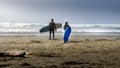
x=80 y=52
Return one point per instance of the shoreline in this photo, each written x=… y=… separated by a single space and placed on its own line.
x=44 y=34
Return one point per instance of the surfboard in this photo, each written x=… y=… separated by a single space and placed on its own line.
x=67 y=34
x=46 y=28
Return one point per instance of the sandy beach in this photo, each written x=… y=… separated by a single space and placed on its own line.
x=88 y=51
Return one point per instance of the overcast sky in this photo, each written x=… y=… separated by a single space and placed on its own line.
x=73 y=11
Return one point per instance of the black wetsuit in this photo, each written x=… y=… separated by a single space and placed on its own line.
x=52 y=28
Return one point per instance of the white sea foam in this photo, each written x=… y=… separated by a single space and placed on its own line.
x=6 y=27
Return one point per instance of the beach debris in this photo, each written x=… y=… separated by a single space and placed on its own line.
x=49 y=55
x=4 y=65
x=117 y=39
x=52 y=66
x=25 y=64
x=35 y=41
x=87 y=40
x=75 y=62
x=13 y=54
x=101 y=40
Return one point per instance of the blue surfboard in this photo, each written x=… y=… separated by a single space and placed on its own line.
x=67 y=34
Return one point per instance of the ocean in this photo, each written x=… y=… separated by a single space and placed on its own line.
x=7 y=28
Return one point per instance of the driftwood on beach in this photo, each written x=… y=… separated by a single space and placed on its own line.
x=12 y=54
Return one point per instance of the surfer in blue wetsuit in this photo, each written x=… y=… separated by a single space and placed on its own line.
x=52 y=29
x=67 y=32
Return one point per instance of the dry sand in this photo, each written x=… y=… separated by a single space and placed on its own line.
x=79 y=52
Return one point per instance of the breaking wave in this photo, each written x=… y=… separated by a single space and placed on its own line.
x=21 y=28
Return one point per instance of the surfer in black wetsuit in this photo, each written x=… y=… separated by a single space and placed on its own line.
x=66 y=25
x=52 y=29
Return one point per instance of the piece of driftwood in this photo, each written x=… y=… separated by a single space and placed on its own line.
x=12 y=54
